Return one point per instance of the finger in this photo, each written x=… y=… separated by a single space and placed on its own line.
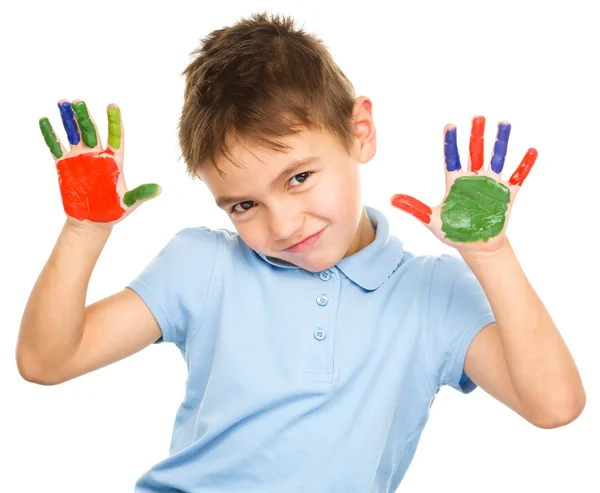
x=68 y=119
x=451 y=148
x=55 y=146
x=518 y=177
x=476 y=144
x=89 y=132
x=413 y=206
x=143 y=192
x=500 y=147
x=115 y=130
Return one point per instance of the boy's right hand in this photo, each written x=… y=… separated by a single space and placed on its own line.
x=91 y=181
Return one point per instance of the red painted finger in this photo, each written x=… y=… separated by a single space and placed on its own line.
x=413 y=206
x=518 y=177
x=476 y=143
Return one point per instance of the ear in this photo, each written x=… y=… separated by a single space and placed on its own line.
x=364 y=128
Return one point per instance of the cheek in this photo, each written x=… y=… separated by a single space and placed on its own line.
x=338 y=197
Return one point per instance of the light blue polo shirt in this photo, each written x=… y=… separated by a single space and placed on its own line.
x=302 y=382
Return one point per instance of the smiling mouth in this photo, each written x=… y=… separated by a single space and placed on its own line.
x=305 y=243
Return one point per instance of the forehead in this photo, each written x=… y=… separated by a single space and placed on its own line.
x=250 y=155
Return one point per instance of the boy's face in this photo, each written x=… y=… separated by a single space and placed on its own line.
x=274 y=206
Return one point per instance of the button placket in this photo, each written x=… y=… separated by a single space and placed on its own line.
x=319 y=352
x=319 y=334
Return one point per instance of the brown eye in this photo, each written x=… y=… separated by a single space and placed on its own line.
x=301 y=177
x=245 y=206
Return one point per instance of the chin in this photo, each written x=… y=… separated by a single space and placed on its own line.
x=319 y=262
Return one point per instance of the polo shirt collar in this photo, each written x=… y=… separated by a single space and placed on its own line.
x=371 y=266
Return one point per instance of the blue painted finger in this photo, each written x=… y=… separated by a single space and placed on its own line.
x=500 y=147
x=451 y=150
x=68 y=119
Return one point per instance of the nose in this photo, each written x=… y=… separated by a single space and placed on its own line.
x=285 y=223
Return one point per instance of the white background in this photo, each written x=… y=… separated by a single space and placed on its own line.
x=423 y=64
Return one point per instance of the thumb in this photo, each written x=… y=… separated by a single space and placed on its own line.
x=143 y=192
x=413 y=206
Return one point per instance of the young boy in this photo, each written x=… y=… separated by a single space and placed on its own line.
x=315 y=343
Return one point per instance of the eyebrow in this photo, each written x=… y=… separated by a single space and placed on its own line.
x=290 y=168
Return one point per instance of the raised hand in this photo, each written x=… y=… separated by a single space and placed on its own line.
x=91 y=181
x=474 y=213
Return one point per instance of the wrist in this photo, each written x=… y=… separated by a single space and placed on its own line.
x=484 y=257
x=87 y=230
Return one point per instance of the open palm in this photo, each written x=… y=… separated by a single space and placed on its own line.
x=91 y=181
x=474 y=212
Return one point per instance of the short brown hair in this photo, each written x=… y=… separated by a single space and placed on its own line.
x=258 y=80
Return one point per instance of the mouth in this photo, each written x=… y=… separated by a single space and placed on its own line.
x=306 y=243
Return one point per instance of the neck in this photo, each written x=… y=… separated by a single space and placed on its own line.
x=365 y=234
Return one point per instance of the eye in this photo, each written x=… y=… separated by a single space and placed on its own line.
x=248 y=204
x=243 y=204
x=304 y=176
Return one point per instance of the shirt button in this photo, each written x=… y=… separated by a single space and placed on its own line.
x=319 y=334
x=322 y=300
x=325 y=275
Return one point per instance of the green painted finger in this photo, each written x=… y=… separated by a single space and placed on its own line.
x=50 y=138
x=140 y=193
x=114 y=127
x=88 y=132
x=474 y=209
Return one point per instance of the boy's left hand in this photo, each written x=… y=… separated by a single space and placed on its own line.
x=474 y=213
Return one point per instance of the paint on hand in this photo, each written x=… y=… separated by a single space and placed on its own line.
x=451 y=150
x=475 y=209
x=88 y=186
x=114 y=127
x=476 y=143
x=413 y=206
x=518 y=177
x=68 y=119
x=500 y=147
x=50 y=138
x=140 y=193
x=85 y=124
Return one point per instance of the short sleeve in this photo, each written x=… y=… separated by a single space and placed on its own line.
x=458 y=310
x=176 y=283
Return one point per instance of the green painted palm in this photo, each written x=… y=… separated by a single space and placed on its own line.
x=474 y=213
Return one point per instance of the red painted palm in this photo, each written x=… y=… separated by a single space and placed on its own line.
x=91 y=181
x=473 y=215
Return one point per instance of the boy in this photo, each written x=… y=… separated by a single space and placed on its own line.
x=315 y=343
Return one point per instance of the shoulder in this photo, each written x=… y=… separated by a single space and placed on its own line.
x=450 y=269
x=443 y=272
x=451 y=281
x=422 y=264
x=435 y=272
x=442 y=261
x=195 y=236
x=200 y=238
x=221 y=245
x=446 y=266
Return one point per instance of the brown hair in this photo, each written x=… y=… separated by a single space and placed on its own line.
x=261 y=79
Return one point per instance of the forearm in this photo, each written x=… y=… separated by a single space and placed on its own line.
x=52 y=321
x=543 y=373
